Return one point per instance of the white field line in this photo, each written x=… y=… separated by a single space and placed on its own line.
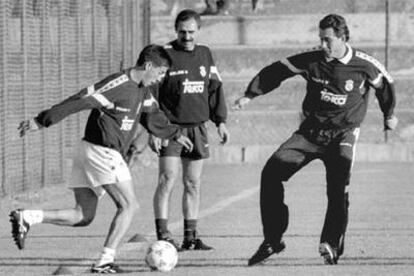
x=125 y=248
x=219 y=206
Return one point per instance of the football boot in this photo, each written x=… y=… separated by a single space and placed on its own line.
x=266 y=249
x=109 y=268
x=328 y=253
x=20 y=227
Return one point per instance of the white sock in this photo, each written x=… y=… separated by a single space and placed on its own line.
x=33 y=216
x=107 y=256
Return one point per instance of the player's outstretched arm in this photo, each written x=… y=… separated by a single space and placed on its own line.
x=28 y=126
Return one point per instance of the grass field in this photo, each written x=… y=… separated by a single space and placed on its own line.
x=380 y=237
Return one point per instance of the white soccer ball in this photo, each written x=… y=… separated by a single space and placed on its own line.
x=161 y=256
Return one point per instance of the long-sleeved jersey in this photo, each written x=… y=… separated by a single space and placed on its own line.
x=118 y=104
x=191 y=92
x=337 y=89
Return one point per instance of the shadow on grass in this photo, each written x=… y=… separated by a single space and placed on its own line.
x=359 y=232
x=83 y=263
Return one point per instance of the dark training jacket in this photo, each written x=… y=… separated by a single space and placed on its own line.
x=192 y=92
x=337 y=89
x=118 y=104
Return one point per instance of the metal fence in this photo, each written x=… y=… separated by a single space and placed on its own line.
x=48 y=51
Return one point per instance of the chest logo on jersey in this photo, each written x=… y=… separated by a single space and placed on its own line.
x=333 y=98
x=127 y=124
x=191 y=87
x=349 y=85
x=203 y=71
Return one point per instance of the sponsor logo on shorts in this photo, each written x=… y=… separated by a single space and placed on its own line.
x=191 y=87
x=333 y=98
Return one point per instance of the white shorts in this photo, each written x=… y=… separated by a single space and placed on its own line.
x=94 y=166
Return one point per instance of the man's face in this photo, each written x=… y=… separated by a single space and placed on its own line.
x=153 y=74
x=333 y=46
x=187 y=32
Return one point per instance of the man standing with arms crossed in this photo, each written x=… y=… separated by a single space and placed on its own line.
x=338 y=79
x=119 y=103
x=190 y=95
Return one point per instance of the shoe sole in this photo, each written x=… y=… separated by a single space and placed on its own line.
x=196 y=245
x=280 y=247
x=18 y=236
x=327 y=254
x=197 y=249
x=108 y=268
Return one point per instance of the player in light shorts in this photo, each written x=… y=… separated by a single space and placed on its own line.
x=94 y=165
x=118 y=104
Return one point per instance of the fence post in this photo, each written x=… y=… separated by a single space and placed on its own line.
x=126 y=34
x=61 y=66
x=24 y=87
x=141 y=26
x=3 y=92
x=79 y=52
x=387 y=48
x=147 y=23
x=43 y=15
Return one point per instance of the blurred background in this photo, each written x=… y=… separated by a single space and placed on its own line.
x=51 y=49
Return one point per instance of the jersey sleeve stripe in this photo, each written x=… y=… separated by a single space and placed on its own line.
x=213 y=70
x=290 y=66
x=377 y=80
x=90 y=90
x=103 y=100
x=113 y=83
x=377 y=64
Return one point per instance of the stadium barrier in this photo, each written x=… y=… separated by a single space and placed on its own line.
x=51 y=49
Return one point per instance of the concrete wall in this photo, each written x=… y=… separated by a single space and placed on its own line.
x=245 y=43
x=298 y=29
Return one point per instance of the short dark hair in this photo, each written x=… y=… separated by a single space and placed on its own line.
x=156 y=54
x=185 y=15
x=337 y=23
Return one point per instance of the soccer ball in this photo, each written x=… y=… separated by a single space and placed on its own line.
x=161 y=256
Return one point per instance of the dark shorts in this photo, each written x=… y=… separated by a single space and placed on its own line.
x=198 y=135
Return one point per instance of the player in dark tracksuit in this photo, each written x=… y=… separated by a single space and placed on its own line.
x=190 y=95
x=338 y=79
